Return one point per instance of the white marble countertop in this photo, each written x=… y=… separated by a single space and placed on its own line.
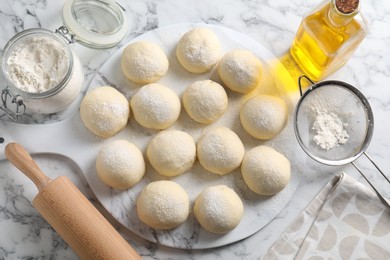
x=25 y=234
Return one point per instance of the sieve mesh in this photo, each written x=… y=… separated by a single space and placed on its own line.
x=347 y=104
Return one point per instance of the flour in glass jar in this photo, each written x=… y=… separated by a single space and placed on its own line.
x=37 y=64
x=330 y=130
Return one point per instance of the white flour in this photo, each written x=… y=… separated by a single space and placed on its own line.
x=330 y=130
x=37 y=64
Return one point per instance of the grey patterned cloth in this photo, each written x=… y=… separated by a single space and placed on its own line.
x=346 y=220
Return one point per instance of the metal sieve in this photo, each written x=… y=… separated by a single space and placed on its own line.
x=349 y=108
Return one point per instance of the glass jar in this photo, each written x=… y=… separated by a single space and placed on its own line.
x=57 y=97
x=94 y=23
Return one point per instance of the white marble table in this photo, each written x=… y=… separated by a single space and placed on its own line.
x=25 y=235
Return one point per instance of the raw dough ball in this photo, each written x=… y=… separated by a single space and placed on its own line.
x=265 y=170
x=205 y=101
x=155 y=106
x=120 y=164
x=163 y=205
x=144 y=62
x=240 y=70
x=220 y=150
x=264 y=116
x=171 y=152
x=218 y=209
x=104 y=111
x=198 y=50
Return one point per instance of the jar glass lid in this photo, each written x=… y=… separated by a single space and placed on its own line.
x=95 y=23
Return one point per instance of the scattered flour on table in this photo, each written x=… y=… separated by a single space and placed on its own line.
x=329 y=130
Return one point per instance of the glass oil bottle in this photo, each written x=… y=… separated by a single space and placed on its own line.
x=327 y=37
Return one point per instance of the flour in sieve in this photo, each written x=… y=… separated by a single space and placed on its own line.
x=37 y=64
x=330 y=130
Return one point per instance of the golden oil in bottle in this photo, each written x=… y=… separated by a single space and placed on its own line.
x=328 y=37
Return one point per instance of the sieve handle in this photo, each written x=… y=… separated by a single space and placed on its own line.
x=386 y=201
x=376 y=166
x=300 y=82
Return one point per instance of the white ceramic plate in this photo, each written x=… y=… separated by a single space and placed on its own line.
x=72 y=139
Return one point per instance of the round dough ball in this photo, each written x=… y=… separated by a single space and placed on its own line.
x=171 y=152
x=220 y=150
x=155 y=106
x=265 y=171
x=240 y=70
x=163 y=205
x=264 y=116
x=198 y=50
x=120 y=164
x=218 y=209
x=205 y=101
x=144 y=62
x=104 y=111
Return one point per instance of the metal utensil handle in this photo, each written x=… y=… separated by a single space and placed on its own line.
x=376 y=166
x=300 y=82
x=386 y=201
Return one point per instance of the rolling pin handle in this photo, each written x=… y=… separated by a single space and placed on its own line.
x=22 y=160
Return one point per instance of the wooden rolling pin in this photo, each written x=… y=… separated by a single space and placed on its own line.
x=70 y=213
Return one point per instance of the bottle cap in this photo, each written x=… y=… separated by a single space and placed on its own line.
x=347 y=6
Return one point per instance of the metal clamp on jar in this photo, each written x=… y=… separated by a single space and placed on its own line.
x=41 y=72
